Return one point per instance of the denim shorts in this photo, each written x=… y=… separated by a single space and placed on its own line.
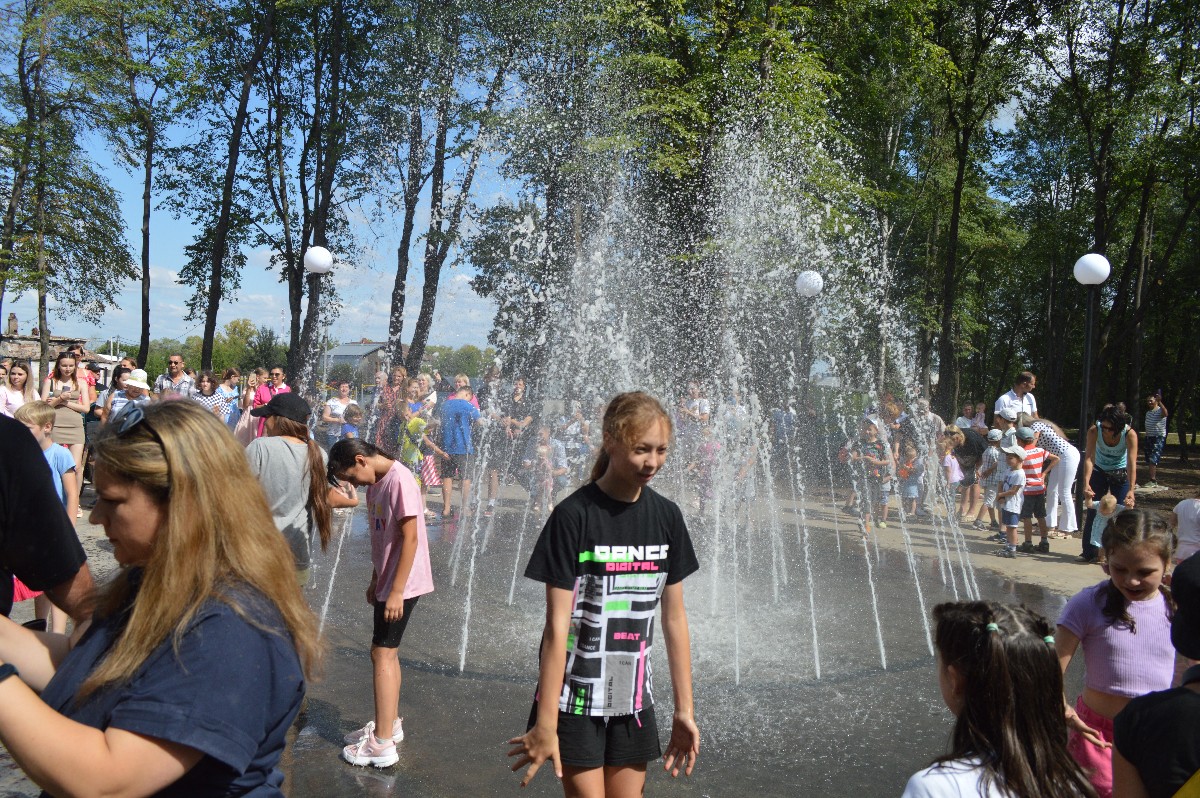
x=1153 y=446
x=1010 y=519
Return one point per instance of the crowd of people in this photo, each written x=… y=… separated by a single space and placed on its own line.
x=212 y=493
x=1010 y=474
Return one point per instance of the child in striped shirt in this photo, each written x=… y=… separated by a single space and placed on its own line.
x=1037 y=463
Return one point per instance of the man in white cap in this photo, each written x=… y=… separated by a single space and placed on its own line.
x=1020 y=398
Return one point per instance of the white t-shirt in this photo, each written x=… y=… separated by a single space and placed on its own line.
x=1020 y=404
x=958 y=778
x=337 y=409
x=1014 y=479
x=1188 y=512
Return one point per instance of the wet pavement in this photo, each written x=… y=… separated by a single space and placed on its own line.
x=769 y=726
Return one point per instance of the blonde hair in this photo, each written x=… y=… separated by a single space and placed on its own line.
x=37 y=413
x=626 y=416
x=217 y=539
x=27 y=391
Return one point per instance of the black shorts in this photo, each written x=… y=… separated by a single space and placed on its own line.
x=588 y=741
x=389 y=635
x=1034 y=506
x=458 y=466
x=970 y=477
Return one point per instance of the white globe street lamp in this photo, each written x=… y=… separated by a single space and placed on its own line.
x=1090 y=270
x=318 y=260
x=809 y=284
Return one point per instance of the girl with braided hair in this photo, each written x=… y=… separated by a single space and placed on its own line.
x=998 y=674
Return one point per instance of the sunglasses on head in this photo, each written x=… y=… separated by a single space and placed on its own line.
x=131 y=418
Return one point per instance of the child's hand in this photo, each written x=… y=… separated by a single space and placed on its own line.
x=1091 y=735
x=394 y=609
x=534 y=747
x=684 y=747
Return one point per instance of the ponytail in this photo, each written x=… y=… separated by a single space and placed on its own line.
x=601 y=464
x=319 y=510
x=626 y=415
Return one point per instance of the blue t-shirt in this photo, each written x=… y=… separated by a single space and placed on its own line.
x=61 y=462
x=457 y=417
x=231 y=693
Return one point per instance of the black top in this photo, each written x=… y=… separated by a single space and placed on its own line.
x=972 y=449
x=37 y=541
x=616 y=557
x=1159 y=733
x=230 y=691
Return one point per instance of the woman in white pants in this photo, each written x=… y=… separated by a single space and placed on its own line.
x=1059 y=499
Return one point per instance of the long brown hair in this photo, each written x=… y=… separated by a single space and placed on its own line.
x=627 y=415
x=1133 y=529
x=1012 y=716
x=318 y=488
x=217 y=539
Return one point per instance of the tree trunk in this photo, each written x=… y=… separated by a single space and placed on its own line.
x=147 y=184
x=21 y=170
x=221 y=231
x=948 y=372
x=439 y=241
x=393 y=353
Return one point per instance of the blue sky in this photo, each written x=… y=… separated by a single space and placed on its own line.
x=461 y=317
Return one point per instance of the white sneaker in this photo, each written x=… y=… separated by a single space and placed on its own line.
x=369 y=752
x=358 y=735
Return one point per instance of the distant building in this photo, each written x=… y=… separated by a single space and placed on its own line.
x=365 y=357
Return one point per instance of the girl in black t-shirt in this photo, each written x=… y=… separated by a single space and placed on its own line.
x=607 y=554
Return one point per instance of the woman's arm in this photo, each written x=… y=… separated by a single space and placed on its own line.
x=541 y=742
x=1127 y=783
x=36 y=655
x=684 y=747
x=328 y=417
x=81 y=402
x=108 y=763
x=1089 y=461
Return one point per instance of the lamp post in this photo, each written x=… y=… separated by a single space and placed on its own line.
x=809 y=285
x=318 y=261
x=1091 y=270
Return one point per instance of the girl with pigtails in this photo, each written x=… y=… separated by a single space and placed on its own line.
x=1124 y=627
x=999 y=675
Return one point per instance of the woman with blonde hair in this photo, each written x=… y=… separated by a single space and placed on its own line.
x=17 y=389
x=194 y=665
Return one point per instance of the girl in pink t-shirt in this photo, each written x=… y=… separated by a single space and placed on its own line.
x=401 y=573
x=1124 y=626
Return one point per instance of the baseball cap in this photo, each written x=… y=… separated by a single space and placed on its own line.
x=995 y=435
x=1013 y=450
x=287 y=405
x=1008 y=414
x=1025 y=433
